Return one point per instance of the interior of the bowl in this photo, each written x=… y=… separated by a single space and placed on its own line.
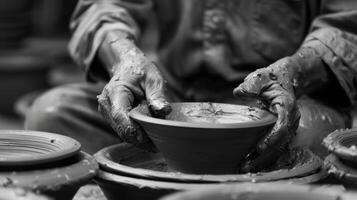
x=204 y=113
x=213 y=113
x=350 y=142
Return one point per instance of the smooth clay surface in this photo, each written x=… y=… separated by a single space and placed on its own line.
x=23 y=148
x=128 y=160
x=60 y=180
x=198 y=138
x=264 y=192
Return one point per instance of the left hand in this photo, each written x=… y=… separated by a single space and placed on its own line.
x=274 y=86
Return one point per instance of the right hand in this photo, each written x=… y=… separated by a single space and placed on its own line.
x=134 y=79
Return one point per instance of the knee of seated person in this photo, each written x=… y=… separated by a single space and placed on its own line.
x=316 y=122
x=46 y=112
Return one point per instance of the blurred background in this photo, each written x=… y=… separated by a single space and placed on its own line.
x=34 y=58
x=33 y=54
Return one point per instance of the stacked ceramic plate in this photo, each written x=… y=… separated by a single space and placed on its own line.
x=264 y=192
x=342 y=162
x=132 y=173
x=45 y=163
x=201 y=144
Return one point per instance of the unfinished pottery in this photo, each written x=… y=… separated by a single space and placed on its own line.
x=59 y=180
x=22 y=148
x=347 y=175
x=343 y=144
x=127 y=160
x=264 y=192
x=19 y=194
x=128 y=188
x=205 y=138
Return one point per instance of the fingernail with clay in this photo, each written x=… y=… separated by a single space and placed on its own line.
x=160 y=107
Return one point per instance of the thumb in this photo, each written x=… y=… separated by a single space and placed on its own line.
x=154 y=90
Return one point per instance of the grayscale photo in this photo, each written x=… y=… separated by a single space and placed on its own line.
x=178 y=99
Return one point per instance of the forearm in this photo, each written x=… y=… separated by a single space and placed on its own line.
x=117 y=48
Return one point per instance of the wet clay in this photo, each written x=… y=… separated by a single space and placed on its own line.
x=130 y=161
x=59 y=180
x=214 y=113
x=264 y=192
x=114 y=185
x=205 y=148
x=346 y=174
x=342 y=143
x=22 y=148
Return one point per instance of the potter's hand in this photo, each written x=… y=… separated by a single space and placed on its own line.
x=134 y=79
x=274 y=86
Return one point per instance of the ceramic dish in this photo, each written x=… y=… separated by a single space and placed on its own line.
x=59 y=180
x=264 y=192
x=343 y=143
x=23 y=148
x=128 y=160
x=205 y=138
x=346 y=174
x=129 y=188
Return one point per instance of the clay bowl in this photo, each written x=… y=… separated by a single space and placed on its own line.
x=264 y=192
x=127 y=160
x=22 y=148
x=346 y=174
x=59 y=180
x=205 y=138
x=128 y=188
x=343 y=144
x=19 y=194
x=31 y=70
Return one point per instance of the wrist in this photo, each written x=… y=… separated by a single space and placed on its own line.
x=310 y=71
x=116 y=48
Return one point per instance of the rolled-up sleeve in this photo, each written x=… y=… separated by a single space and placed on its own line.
x=334 y=35
x=93 y=19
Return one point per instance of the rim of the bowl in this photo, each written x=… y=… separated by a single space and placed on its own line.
x=300 y=170
x=269 y=119
x=339 y=169
x=68 y=147
x=162 y=184
x=242 y=190
x=334 y=143
x=79 y=172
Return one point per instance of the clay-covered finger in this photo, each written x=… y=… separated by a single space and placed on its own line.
x=260 y=162
x=154 y=90
x=285 y=125
x=254 y=84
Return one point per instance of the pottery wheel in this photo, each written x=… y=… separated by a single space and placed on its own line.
x=125 y=159
x=22 y=148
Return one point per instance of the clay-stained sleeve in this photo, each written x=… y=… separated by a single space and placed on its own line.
x=334 y=35
x=93 y=19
